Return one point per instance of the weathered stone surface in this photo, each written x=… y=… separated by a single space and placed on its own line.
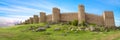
x=35 y=19
x=81 y=14
x=56 y=15
x=107 y=19
x=92 y=28
x=40 y=29
x=31 y=20
x=47 y=26
x=42 y=17
x=57 y=29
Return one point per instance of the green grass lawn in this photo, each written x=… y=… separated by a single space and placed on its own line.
x=20 y=32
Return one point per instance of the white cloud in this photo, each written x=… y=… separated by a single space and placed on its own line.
x=4 y=21
x=38 y=4
x=117 y=21
x=11 y=20
x=16 y=13
x=18 y=9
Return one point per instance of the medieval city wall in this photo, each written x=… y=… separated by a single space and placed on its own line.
x=90 y=18
x=49 y=18
x=95 y=19
x=107 y=19
x=69 y=17
x=64 y=17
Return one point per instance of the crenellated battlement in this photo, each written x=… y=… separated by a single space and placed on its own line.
x=107 y=19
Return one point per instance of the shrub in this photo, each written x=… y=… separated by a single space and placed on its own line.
x=102 y=29
x=83 y=23
x=74 y=22
x=92 y=24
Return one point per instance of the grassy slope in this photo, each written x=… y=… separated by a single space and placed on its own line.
x=16 y=33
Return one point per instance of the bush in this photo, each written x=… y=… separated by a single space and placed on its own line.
x=74 y=22
x=92 y=24
x=83 y=23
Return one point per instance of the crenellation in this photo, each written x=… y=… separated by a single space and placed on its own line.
x=107 y=19
x=31 y=20
x=35 y=19
x=69 y=16
x=26 y=21
x=42 y=17
x=49 y=18
x=56 y=15
x=81 y=14
x=95 y=19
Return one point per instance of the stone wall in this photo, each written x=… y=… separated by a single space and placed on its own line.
x=81 y=14
x=56 y=15
x=69 y=16
x=35 y=19
x=107 y=19
x=42 y=17
x=49 y=18
x=31 y=20
x=94 y=19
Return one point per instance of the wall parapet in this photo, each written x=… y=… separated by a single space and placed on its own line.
x=107 y=19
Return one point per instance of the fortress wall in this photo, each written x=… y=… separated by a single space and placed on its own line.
x=81 y=14
x=35 y=19
x=31 y=20
x=42 y=17
x=49 y=18
x=91 y=18
x=69 y=16
x=55 y=15
x=108 y=19
x=27 y=21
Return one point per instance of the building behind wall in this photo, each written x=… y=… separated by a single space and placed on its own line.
x=107 y=19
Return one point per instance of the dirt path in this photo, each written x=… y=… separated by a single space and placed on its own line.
x=112 y=36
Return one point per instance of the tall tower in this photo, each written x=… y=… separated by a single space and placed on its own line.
x=56 y=15
x=81 y=14
x=31 y=20
x=42 y=17
x=36 y=19
x=108 y=18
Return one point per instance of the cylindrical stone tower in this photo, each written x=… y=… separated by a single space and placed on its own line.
x=56 y=15
x=108 y=18
x=35 y=19
x=42 y=17
x=27 y=21
x=81 y=14
x=31 y=20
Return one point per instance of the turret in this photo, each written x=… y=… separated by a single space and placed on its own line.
x=81 y=14
x=35 y=19
x=108 y=18
x=56 y=15
x=42 y=17
x=31 y=20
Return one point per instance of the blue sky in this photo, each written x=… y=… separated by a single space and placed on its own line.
x=14 y=11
